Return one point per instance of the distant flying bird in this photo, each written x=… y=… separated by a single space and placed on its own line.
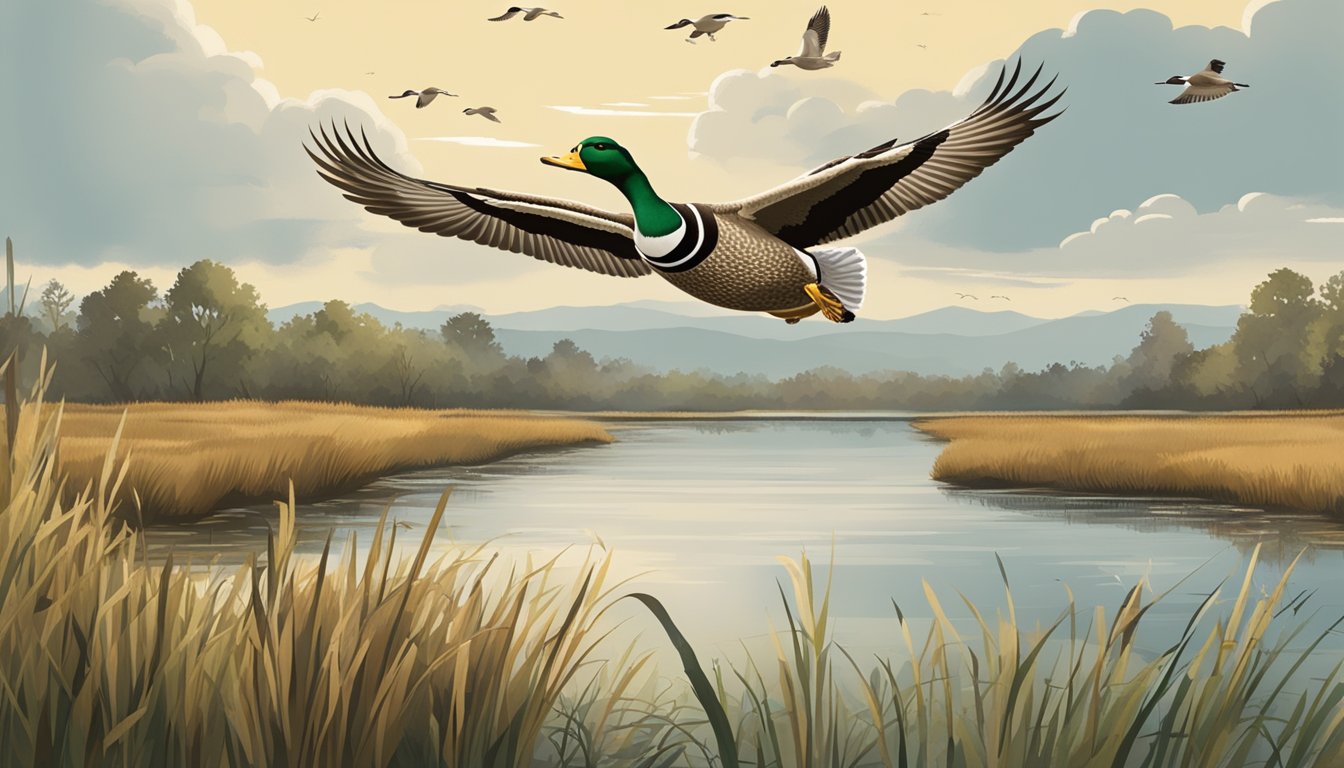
x=487 y=112
x=369 y=73
x=531 y=14
x=314 y=16
x=1206 y=85
x=812 y=54
x=1119 y=298
x=426 y=96
x=774 y=252
x=920 y=45
x=707 y=25
x=968 y=296
x=1005 y=298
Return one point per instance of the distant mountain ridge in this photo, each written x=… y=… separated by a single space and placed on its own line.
x=952 y=340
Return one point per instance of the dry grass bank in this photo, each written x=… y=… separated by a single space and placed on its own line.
x=190 y=457
x=1273 y=460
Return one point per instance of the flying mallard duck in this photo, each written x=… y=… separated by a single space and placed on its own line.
x=812 y=53
x=760 y=254
x=706 y=25
x=423 y=97
x=1205 y=85
x=529 y=14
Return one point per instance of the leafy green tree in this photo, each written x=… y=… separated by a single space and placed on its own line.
x=473 y=335
x=1276 y=359
x=55 y=302
x=1161 y=344
x=213 y=325
x=116 y=328
x=1330 y=336
x=1206 y=373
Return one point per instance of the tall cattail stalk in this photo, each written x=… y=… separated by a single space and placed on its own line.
x=12 y=362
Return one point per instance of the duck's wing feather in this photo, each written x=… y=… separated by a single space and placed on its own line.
x=504 y=16
x=814 y=37
x=1193 y=94
x=558 y=231
x=851 y=194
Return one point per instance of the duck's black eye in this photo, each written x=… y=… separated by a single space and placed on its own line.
x=600 y=146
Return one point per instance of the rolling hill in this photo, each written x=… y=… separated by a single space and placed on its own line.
x=951 y=340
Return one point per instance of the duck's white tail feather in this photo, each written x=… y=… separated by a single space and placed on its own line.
x=844 y=272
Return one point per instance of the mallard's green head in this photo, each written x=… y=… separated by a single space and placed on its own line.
x=599 y=156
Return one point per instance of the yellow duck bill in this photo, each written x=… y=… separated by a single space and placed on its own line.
x=572 y=161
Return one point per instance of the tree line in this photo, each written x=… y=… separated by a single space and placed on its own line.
x=208 y=338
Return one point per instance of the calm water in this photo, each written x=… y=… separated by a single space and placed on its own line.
x=699 y=512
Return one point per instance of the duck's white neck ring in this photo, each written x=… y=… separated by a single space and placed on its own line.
x=699 y=238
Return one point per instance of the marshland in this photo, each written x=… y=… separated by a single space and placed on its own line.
x=909 y=623
x=191 y=458
x=1291 y=460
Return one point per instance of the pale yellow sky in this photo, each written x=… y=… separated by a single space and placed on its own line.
x=523 y=67
x=610 y=52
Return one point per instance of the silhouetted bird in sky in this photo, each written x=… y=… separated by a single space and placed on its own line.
x=529 y=14
x=487 y=112
x=425 y=96
x=314 y=16
x=707 y=25
x=1206 y=85
x=1005 y=298
x=1119 y=298
x=812 y=53
x=968 y=296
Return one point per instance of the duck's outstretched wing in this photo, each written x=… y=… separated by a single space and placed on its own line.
x=558 y=231
x=814 y=37
x=851 y=194
x=1194 y=94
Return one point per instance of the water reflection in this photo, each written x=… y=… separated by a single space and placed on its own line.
x=698 y=513
x=1282 y=536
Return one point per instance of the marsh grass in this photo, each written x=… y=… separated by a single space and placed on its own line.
x=1283 y=461
x=1079 y=692
x=107 y=660
x=189 y=458
x=460 y=660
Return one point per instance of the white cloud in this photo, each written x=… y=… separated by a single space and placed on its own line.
x=480 y=141
x=597 y=112
x=142 y=140
x=1165 y=233
x=1164 y=236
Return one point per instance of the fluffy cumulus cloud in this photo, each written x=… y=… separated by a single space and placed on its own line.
x=140 y=139
x=1166 y=234
x=1119 y=139
x=771 y=117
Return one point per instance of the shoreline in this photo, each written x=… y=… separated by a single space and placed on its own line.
x=187 y=460
x=1277 y=461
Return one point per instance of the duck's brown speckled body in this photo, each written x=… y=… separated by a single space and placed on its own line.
x=741 y=266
